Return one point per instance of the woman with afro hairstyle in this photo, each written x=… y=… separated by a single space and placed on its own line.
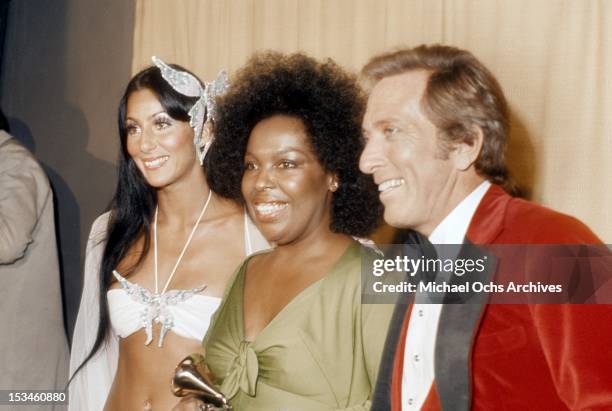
x=291 y=332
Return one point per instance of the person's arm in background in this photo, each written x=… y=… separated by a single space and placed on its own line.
x=22 y=199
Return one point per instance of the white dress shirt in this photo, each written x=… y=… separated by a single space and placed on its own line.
x=418 y=374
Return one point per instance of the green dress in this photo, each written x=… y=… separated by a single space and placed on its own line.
x=321 y=352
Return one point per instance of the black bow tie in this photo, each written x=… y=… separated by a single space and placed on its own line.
x=418 y=246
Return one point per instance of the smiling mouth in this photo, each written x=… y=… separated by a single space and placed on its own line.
x=269 y=210
x=389 y=185
x=156 y=162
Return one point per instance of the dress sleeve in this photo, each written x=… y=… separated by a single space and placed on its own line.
x=361 y=407
x=24 y=191
x=90 y=386
x=373 y=322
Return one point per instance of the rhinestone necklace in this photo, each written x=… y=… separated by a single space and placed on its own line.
x=156 y=303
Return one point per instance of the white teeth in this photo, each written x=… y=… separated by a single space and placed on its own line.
x=156 y=163
x=269 y=208
x=390 y=184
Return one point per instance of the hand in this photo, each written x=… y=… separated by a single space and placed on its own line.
x=190 y=404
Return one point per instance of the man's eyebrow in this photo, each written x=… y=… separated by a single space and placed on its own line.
x=389 y=120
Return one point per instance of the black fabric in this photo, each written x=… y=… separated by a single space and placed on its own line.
x=459 y=321
x=381 y=400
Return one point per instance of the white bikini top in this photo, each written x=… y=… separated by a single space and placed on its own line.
x=185 y=312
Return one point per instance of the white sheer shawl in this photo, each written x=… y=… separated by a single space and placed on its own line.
x=90 y=387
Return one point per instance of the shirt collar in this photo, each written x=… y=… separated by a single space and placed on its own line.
x=453 y=228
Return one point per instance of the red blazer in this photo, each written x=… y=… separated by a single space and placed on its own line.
x=512 y=356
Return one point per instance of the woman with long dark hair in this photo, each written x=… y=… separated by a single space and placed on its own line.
x=159 y=260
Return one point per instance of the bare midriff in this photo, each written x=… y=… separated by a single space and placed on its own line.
x=144 y=372
x=142 y=381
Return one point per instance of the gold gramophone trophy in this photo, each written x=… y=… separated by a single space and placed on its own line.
x=190 y=378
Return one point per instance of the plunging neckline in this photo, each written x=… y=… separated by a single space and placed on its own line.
x=294 y=301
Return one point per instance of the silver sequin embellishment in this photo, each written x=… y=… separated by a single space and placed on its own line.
x=156 y=306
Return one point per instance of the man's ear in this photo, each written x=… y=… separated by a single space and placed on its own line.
x=466 y=153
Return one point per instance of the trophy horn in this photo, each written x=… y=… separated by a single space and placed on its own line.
x=190 y=378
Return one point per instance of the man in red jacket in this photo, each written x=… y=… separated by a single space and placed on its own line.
x=436 y=128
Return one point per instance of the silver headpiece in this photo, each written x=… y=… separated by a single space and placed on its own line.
x=203 y=111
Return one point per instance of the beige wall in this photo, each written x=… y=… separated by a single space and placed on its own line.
x=552 y=57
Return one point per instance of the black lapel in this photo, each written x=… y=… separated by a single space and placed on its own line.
x=381 y=400
x=459 y=321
